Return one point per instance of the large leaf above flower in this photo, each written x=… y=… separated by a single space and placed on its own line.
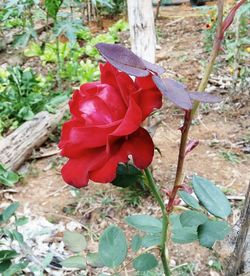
x=177 y=93
x=174 y=91
x=126 y=61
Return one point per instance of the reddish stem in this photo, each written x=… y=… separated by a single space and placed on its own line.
x=181 y=159
x=190 y=114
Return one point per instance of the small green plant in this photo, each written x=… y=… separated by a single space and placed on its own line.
x=78 y=64
x=7 y=177
x=110 y=7
x=19 y=13
x=237 y=46
x=185 y=269
x=131 y=181
x=119 y=26
x=215 y=264
x=22 y=94
x=10 y=261
x=231 y=157
x=132 y=197
x=209 y=30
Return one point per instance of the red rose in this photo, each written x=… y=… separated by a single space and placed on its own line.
x=105 y=127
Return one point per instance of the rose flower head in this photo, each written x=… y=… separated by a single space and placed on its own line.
x=105 y=128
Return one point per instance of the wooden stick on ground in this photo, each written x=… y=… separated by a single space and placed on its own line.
x=157 y=9
x=239 y=260
x=18 y=146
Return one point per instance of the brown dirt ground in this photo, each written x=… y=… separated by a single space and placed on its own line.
x=218 y=131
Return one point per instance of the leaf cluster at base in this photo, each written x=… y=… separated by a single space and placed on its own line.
x=205 y=222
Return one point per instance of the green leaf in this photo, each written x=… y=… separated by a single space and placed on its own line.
x=21 y=221
x=7 y=255
x=192 y=218
x=14 y=268
x=145 y=262
x=17 y=236
x=127 y=175
x=9 y=211
x=7 y=177
x=52 y=7
x=33 y=50
x=21 y=40
x=145 y=223
x=113 y=247
x=136 y=243
x=182 y=234
x=47 y=259
x=26 y=113
x=175 y=221
x=69 y=28
x=151 y=240
x=94 y=260
x=212 y=231
x=4 y=265
x=74 y=262
x=189 y=200
x=74 y=241
x=58 y=100
x=211 y=197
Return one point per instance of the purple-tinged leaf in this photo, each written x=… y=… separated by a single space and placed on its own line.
x=174 y=91
x=133 y=71
x=153 y=67
x=123 y=59
x=178 y=84
x=186 y=188
x=204 y=97
x=229 y=19
x=126 y=61
x=192 y=144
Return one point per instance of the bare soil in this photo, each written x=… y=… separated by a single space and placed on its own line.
x=222 y=131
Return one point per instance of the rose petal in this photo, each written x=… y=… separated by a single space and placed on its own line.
x=79 y=96
x=145 y=83
x=148 y=97
x=148 y=100
x=95 y=111
x=74 y=104
x=76 y=138
x=139 y=145
x=114 y=101
x=108 y=74
x=107 y=172
x=89 y=88
x=131 y=121
x=126 y=86
x=76 y=171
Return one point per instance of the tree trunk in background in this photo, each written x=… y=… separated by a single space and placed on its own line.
x=235 y=249
x=239 y=261
x=142 y=28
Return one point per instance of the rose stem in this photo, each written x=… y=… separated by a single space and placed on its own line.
x=190 y=114
x=215 y=51
x=181 y=159
x=165 y=221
